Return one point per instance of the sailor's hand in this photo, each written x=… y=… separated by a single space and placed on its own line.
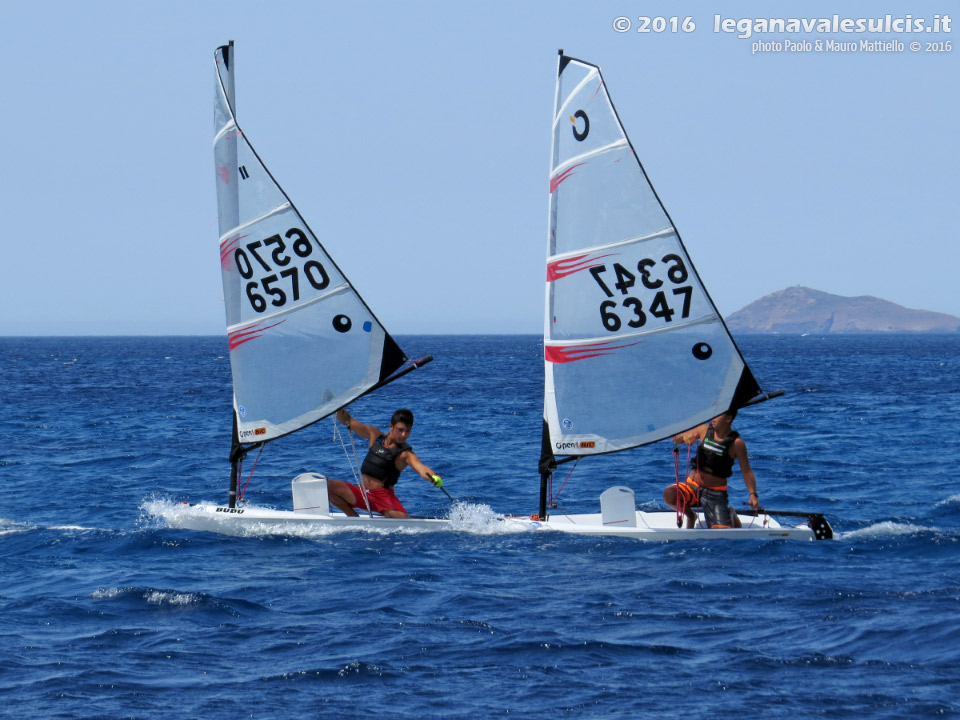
x=754 y=500
x=344 y=417
x=436 y=480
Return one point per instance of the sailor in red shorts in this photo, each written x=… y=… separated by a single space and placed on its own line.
x=387 y=456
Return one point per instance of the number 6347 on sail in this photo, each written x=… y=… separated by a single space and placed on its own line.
x=623 y=280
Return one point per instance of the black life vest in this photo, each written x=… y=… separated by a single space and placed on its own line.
x=714 y=457
x=381 y=461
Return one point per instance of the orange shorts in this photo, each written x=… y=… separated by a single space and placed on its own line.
x=688 y=493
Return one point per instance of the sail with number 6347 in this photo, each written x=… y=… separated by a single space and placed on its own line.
x=635 y=350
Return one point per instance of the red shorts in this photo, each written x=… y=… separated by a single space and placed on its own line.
x=380 y=499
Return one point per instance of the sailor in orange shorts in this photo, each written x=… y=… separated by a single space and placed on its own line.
x=706 y=486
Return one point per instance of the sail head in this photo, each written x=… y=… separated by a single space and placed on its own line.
x=635 y=350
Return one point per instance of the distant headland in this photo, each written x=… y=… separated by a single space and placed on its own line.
x=798 y=310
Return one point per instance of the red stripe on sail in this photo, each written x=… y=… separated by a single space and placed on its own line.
x=572 y=353
x=227 y=247
x=568 y=266
x=554 y=182
x=239 y=337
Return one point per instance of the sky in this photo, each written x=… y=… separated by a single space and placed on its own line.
x=414 y=137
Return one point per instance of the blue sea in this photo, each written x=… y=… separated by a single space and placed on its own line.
x=107 y=612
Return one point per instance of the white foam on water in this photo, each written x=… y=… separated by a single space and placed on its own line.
x=479 y=519
x=153 y=597
x=885 y=529
x=9 y=527
x=952 y=500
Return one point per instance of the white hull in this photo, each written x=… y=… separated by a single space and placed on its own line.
x=662 y=526
x=253 y=520
x=652 y=526
x=311 y=510
x=618 y=518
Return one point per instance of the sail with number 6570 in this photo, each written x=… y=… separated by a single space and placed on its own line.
x=302 y=341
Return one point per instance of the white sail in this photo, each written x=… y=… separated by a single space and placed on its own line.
x=635 y=350
x=302 y=341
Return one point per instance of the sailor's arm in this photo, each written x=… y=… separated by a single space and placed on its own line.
x=690 y=436
x=749 y=479
x=363 y=430
x=413 y=461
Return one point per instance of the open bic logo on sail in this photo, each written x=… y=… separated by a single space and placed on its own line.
x=582 y=445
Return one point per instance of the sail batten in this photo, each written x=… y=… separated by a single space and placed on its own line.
x=634 y=349
x=625 y=337
x=302 y=341
x=562 y=109
x=228 y=129
x=587 y=155
x=345 y=287
x=253 y=221
x=600 y=248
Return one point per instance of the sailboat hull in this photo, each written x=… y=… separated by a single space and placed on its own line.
x=254 y=521
x=651 y=526
x=662 y=526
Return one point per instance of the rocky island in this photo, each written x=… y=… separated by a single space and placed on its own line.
x=799 y=310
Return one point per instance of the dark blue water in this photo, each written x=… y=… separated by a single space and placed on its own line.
x=106 y=612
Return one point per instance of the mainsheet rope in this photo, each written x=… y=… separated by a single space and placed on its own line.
x=354 y=468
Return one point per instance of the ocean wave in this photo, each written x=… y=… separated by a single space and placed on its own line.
x=884 y=530
x=169 y=598
x=952 y=501
x=8 y=527
x=72 y=528
x=355 y=669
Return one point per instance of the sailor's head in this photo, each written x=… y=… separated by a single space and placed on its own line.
x=402 y=415
x=730 y=415
x=401 y=424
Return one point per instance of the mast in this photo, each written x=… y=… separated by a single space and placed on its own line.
x=237 y=451
x=546 y=467
x=228 y=58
